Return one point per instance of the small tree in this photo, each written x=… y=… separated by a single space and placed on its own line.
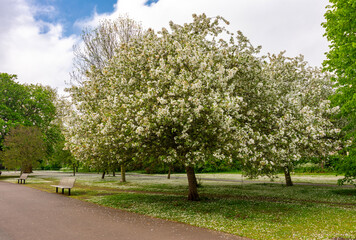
x=24 y=146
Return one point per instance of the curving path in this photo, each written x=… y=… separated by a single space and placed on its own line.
x=28 y=214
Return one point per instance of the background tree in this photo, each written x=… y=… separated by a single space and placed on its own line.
x=340 y=28
x=13 y=97
x=42 y=112
x=28 y=105
x=297 y=120
x=94 y=140
x=61 y=152
x=23 y=147
x=101 y=44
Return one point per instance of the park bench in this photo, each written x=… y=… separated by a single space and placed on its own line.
x=66 y=182
x=22 y=177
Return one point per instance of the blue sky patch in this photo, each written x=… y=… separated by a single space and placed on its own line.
x=150 y=2
x=67 y=12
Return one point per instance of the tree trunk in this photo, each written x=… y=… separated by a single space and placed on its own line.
x=322 y=164
x=287 y=176
x=74 y=169
x=102 y=176
x=113 y=173
x=192 y=182
x=123 y=176
x=27 y=169
x=169 y=173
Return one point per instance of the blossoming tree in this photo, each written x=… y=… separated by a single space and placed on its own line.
x=186 y=95
x=298 y=121
x=87 y=126
x=175 y=95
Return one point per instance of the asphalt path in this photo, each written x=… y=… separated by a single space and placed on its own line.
x=30 y=214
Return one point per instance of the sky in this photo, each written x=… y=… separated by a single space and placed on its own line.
x=37 y=36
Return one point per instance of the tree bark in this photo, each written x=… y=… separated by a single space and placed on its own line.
x=322 y=164
x=123 y=175
x=287 y=176
x=74 y=168
x=27 y=169
x=113 y=173
x=192 y=183
x=169 y=173
x=102 y=176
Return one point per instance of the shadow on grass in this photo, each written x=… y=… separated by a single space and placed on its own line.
x=345 y=192
x=8 y=177
x=227 y=208
x=256 y=219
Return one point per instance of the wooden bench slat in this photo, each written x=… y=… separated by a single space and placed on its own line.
x=65 y=183
x=22 y=177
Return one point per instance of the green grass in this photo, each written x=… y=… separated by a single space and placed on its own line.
x=254 y=219
x=249 y=209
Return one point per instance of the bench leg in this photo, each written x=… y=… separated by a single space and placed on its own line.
x=68 y=191
x=24 y=181
x=18 y=181
x=62 y=190
x=56 y=189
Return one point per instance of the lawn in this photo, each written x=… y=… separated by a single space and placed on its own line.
x=257 y=210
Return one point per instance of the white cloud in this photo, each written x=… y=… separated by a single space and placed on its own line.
x=291 y=25
x=34 y=57
x=277 y=25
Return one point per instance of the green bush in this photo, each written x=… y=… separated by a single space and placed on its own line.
x=312 y=168
x=347 y=166
x=218 y=166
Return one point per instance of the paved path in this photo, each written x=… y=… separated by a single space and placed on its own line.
x=28 y=214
